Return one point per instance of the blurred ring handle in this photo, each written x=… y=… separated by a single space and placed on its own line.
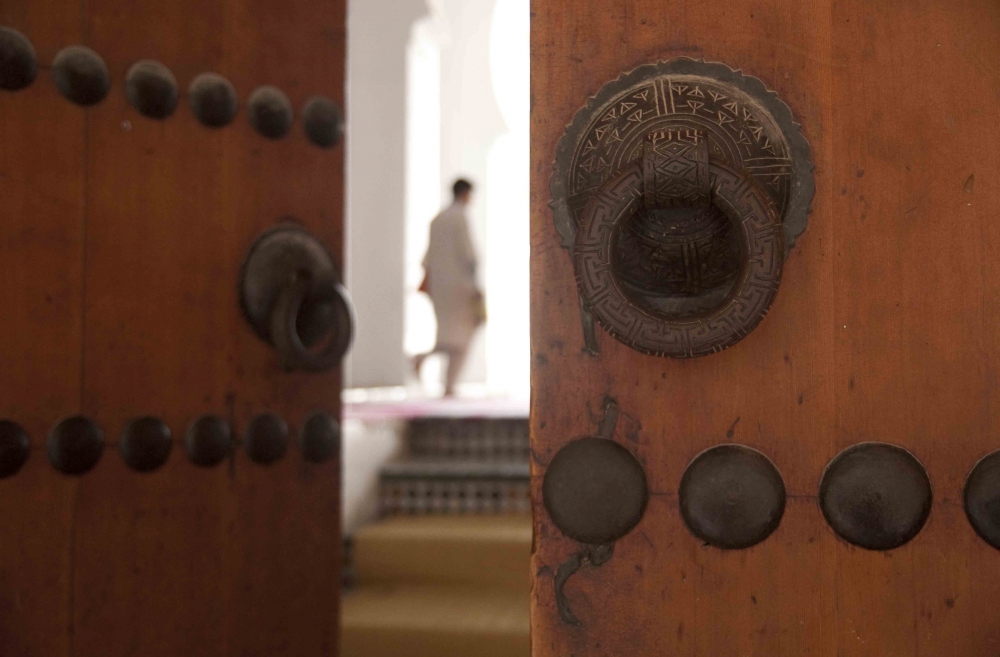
x=324 y=297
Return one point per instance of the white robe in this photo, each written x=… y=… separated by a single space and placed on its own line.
x=450 y=264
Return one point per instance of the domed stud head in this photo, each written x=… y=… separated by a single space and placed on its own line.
x=982 y=499
x=145 y=444
x=594 y=490
x=732 y=497
x=876 y=496
x=151 y=89
x=81 y=75
x=15 y=447
x=213 y=100
x=270 y=112
x=18 y=61
x=75 y=445
x=266 y=439
x=323 y=122
x=320 y=437
x=209 y=441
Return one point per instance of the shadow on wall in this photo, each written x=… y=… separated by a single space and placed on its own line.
x=367 y=446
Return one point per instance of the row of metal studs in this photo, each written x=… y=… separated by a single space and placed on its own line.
x=82 y=76
x=853 y=501
x=75 y=444
x=874 y=495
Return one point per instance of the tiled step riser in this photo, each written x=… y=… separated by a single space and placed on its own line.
x=421 y=496
x=488 y=439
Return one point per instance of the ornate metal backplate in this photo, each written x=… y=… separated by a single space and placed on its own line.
x=681 y=262
x=747 y=126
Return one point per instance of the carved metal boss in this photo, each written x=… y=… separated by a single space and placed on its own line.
x=678 y=190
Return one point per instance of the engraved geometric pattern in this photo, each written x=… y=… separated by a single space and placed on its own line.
x=750 y=210
x=739 y=132
x=747 y=126
x=674 y=257
x=678 y=254
x=675 y=169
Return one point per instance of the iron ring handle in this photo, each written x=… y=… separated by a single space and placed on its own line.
x=294 y=353
x=696 y=180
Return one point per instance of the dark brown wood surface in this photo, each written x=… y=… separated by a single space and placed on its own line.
x=885 y=328
x=41 y=251
x=121 y=240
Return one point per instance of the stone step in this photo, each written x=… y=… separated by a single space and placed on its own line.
x=465 y=550
x=434 y=621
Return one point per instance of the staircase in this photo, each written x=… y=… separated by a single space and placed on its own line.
x=444 y=572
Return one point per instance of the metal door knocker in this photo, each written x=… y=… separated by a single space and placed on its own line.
x=291 y=295
x=679 y=190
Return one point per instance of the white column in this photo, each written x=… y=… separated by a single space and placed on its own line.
x=508 y=352
x=378 y=36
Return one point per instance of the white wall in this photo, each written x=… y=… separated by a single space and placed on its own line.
x=378 y=33
x=367 y=446
x=508 y=352
x=423 y=185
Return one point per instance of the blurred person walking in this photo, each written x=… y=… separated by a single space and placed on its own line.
x=450 y=280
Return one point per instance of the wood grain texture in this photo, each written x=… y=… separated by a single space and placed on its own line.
x=122 y=240
x=41 y=255
x=884 y=329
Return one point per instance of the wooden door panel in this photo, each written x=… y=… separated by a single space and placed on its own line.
x=882 y=330
x=123 y=239
x=917 y=369
x=41 y=187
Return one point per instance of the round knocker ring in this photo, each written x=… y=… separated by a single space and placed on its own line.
x=675 y=171
x=326 y=299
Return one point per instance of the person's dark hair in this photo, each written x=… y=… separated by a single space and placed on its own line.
x=461 y=186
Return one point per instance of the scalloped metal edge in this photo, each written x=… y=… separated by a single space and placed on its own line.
x=803 y=184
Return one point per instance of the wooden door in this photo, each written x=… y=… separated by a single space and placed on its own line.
x=122 y=236
x=885 y=329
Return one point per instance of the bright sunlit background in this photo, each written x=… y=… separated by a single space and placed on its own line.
x=437 y=89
